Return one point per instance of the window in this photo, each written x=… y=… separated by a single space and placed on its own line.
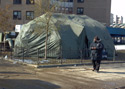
x=29 y=15
x=80 y=1
x=70 y=10
x=29 y=1
x=70 y=1
x=17 y=15
x=17 y=1
x=80 y=10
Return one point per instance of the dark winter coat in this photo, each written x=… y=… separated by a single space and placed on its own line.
x=96 y=50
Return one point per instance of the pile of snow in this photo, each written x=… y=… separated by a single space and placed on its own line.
x=120 y=47
x=44 y=61
x=28 y=61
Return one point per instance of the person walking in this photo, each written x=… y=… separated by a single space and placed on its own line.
x=96 y=48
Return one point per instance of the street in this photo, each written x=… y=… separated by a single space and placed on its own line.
x=17 y=76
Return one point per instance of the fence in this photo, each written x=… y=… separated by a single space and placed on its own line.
x=53 y=57
x=24 y=55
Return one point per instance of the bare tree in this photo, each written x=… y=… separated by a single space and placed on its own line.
x=46 y=7
x=5 y=21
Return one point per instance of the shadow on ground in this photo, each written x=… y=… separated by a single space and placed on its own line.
x=13 y=72
x=112 y=72
x=121 y=87
x=26 y=84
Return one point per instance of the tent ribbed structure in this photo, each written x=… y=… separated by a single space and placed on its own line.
x=68 y=35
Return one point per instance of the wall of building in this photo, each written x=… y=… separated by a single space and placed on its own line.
x=23 y=7
x=96 y=9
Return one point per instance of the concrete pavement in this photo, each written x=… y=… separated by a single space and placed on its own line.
x=17 y=76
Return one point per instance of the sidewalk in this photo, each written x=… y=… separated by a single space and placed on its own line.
x=80 y=64
x=84 y=62
x=18 y=76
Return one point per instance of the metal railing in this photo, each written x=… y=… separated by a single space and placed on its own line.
x=53 y=57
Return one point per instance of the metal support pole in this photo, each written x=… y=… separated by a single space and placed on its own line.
x=11 y=54
x=61 y=55
x=23 y=54
x=81 y=56
x=38 y=56
x=114 y=55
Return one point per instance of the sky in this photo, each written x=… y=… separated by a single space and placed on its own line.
x=118 y=8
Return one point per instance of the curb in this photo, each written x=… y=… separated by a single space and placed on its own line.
x=64 y=65
x=23 y=63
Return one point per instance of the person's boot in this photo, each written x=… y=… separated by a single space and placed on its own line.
x=93 y=69
x=97 y=71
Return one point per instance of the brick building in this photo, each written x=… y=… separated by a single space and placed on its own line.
x=22 y=11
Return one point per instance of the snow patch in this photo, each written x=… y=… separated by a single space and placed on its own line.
x=44 y=61
x=120 y=47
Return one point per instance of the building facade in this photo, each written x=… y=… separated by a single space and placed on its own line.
x=111 y=19
x=23 y=11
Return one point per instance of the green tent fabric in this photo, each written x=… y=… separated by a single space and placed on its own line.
x=69 y=36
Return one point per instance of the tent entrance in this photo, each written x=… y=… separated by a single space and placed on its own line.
x=84 y=44
x=86 y=49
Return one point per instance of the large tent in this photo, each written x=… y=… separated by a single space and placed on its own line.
x=69 y=37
